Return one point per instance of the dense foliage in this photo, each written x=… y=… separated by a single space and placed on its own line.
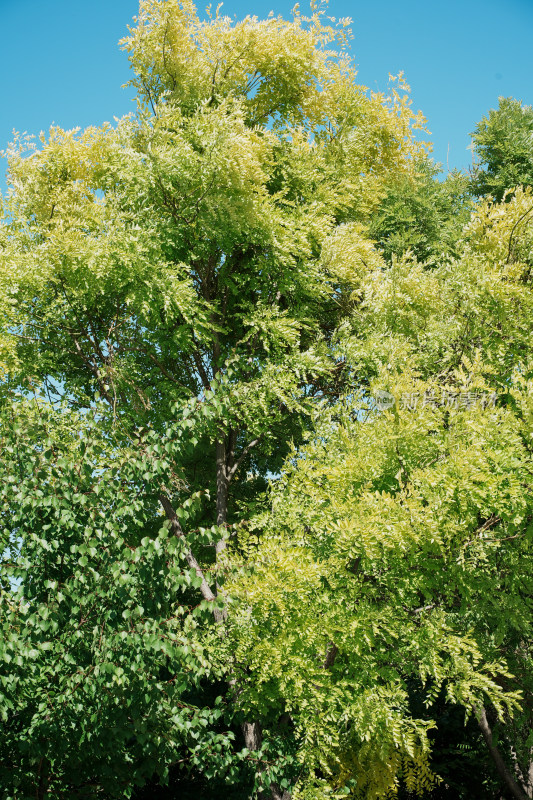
x=399 y=540
x=266 y=426
x=503 y=143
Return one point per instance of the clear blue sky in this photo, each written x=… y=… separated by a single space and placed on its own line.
x=60 y=63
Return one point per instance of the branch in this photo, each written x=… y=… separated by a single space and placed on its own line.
x=490 y=523
x=191 y=561
x=513 y=230
x=197 y=358
x=241 y=458
x=158 y=364
x=94 y=369
x=421 y=609
x=501 y=766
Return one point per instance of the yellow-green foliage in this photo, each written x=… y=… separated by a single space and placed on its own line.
x=251 y=142
x=200 y=275
x=402 y=537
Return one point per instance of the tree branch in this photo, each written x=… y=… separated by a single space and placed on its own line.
x=242 y=456
x=501 y=766
x=201 y=370
x=518 y=221
x=177 y=530
x=95 y=370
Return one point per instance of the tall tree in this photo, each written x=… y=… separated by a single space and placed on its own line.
x=394 y=563
x=163 y=281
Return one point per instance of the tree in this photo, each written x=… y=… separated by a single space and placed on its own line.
x=166 y=298
x=503 y=142
x=100 y=650
x=422 y=215
x=394 y=566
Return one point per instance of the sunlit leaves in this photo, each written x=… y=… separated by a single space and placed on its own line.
x=401 y=537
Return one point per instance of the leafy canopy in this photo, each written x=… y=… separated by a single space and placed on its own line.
x=396 y=560
x=166 y=302
x=204 y=296
x=503 y=142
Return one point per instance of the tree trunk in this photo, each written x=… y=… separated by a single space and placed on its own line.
x=251 y=730
x=502 y=768
x=529 y=788
x=253 y=739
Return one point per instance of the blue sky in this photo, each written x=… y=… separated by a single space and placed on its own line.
x=60 y=62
